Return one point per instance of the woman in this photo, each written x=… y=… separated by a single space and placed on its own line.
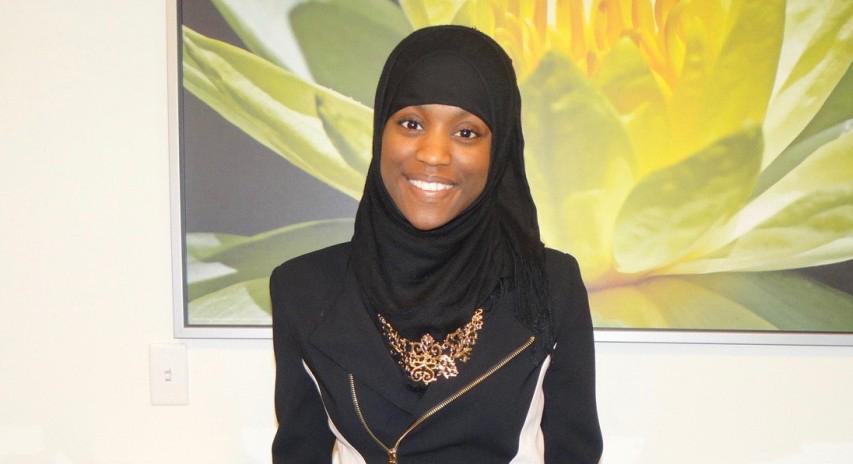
x=444 y=332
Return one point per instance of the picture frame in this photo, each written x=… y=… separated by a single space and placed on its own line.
x=832 y=278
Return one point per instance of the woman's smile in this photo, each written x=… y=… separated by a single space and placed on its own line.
x=434 y=162
x=430 y=186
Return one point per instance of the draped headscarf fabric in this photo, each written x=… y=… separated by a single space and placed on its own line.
x=431 y=281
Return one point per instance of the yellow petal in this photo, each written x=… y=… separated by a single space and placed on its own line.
x=578 y=160
x=422 y=13
x=629 y=84
x=721 y=91
x=807 y=209
x=811 y=80
x=479 y=14
x=670 y=210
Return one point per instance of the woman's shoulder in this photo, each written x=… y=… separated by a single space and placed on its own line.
x=328 y=257
x=301 y=287
x=561 y=266
x=313 y=273
x=565 y=285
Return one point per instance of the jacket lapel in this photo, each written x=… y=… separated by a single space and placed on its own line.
x=501 y=335
x=348 y=336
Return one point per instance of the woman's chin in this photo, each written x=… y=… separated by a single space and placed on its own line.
x=425 y=221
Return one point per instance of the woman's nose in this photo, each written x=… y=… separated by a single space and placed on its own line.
x=434 y=148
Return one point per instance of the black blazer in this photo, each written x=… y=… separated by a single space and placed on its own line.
x=510 y=402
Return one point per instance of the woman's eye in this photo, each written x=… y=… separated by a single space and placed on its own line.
x=411 y=124
x=467 y=133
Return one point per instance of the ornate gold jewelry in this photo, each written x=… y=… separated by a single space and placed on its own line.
x=427 y=359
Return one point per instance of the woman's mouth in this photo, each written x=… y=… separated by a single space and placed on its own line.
x=430 y=186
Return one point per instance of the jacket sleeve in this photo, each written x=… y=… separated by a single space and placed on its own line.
x=570 y=419
x=303 y=434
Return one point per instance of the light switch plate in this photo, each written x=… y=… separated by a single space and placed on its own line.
x=168 y=373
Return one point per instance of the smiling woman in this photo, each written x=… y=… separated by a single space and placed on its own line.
x=435 y=161
x=444 y=331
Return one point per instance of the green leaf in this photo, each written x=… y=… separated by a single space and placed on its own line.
x=803 y=18
x=263 y=28
x=812 y=221
x=830 y=165
x=350 y=128
x=256 y=256
x=811 y=80
x=814 y=230
x=202 y=245
x=810 y=208
x=669 y=210
x=788 y=300
x=671 y=303
x=244 y=303
x=275 y=107
x=835 y=110
x=798 y=152
x=578 y=160
x=762 y=301
x=834 y=119
x=346 y=43
x=422 y=13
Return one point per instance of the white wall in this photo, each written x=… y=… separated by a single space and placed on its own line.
x=85 y=288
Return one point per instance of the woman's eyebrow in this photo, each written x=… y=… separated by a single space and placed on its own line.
x=459 y=112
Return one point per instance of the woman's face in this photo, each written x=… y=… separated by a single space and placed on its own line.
x=434 y=162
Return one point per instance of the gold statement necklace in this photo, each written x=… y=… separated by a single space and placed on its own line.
x=426 y=360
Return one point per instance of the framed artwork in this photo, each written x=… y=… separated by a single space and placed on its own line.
x=696 y=157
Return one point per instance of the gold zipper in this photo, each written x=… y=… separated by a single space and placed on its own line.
x=392 y=452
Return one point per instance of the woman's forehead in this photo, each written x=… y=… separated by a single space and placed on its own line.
x=442 y=78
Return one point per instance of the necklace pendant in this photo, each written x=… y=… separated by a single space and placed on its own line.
x=392 y=456
x=427 y=359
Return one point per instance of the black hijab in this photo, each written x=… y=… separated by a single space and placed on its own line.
x=432 y=281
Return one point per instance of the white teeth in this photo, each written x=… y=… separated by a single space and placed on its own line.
x=430 y=186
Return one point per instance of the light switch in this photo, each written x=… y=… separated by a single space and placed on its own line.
x=168 y=373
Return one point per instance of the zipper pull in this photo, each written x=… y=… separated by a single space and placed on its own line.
x=392 y=456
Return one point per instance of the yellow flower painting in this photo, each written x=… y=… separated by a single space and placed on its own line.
x=696 y=156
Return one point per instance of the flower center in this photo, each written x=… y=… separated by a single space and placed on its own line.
x=667 y=32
